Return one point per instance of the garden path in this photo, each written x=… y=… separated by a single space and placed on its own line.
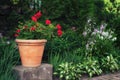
x=112 y=76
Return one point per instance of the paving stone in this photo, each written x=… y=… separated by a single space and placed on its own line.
x=112 y=76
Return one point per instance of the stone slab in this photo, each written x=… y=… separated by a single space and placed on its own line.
x=42 y=72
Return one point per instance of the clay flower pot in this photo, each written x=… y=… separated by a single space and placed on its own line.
x=31 y=51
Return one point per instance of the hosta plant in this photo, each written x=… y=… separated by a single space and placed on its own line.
x=68 y=71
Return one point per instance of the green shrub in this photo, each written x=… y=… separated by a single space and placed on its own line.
x=67 y=42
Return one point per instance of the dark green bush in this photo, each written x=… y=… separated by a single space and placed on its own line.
x=72 y=12
x=112 y=17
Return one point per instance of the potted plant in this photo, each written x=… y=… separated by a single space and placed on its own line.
x=31 y=37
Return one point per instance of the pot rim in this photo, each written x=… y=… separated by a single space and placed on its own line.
x=30 y=40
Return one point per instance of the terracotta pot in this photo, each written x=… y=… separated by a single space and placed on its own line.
x=31 y=51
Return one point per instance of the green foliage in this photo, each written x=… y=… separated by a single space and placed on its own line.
x=91 y=66
x=67 y=42
x=71 y=12
x=55 y=60
x=112 y=16
x=8 y=58
x=89 y=49
x=68 y=71
x=71 y=71
x=110 y=63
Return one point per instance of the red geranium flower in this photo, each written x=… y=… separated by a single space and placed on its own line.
x=16 y=35
x=34 y=18
x=58 y=26
x=18 y=30
x=38 y=15
x=59 y=32
x=48 y=22
x=32 y=28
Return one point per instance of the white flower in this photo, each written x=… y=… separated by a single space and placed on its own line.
x=87 y=46
x=105 y=34
x=110 y=36
x=89 y=20
x=102 y=27
x=94 y=33
x=101 y=37
x=84 y=33
x=8 y=42
x=114 y=39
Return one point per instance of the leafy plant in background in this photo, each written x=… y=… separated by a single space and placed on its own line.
x=112 y=16
x=67 y=43
x=71 y=12
x=9 y=57
x=55 y=60
x=94 y=35
x=99 y=44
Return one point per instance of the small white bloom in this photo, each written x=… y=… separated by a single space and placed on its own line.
x=8 y=42
x=114 y=39
x=110 y=36
x=87 y=46
x=102 y=27
x=84 y=34
x=96 y=30
x=89 y=20
x=92 y=43
x=93 y=33
x=101 y=37
x=105 y=34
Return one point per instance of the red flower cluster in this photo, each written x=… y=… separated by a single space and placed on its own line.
x=36 y=16
x=59 y=32
x=35 y=27
x=32 y=28
x=47 y=22
x=17 y=33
